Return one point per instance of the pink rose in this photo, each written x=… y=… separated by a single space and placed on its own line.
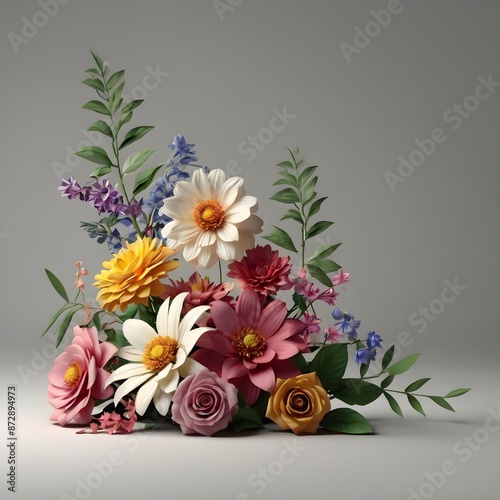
x=77 y=377
x=204 y=403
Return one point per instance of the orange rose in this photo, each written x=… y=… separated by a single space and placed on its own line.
x=298 y=403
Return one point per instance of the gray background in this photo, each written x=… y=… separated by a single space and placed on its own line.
x=353 y=119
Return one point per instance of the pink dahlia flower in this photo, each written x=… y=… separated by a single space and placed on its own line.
x=252 y=345
x=262 y=270
x=204 y=403
x=201 y=291
x=78 y=377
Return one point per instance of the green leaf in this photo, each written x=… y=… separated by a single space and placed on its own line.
x=116 y=338
x=130 y=312
x=393 y=404
x=92 y=71
x=356 y=392
x=94 y=83
x=246 y=418
x=346 y=421
x=315 y=207
x=134 y=135
x=125 y=118
x=457 y=392
x=293 y=214
x=56 y=317
x=323 y=251
x=115 y=78
x=308 y=191
x=404 y=365
x=305 y=174
x=94 y=154
x=417 y=385
x=131 y=106
x=137 y=160
x=442 y=402
x=330 y=363
x=145 y=178
x=387 y=381
x=326 y=265
x=415 y=403
x=65 y=324
x=285 y=164
x=100 y=171
x=287 y=195
x=115 y=101
x=281 y=238
x=318 y=228
x=97 y=320
x=386 y=360
x=287 y=178
x=363 y=369
x=56 y=283
x=97 y=60
x=101 y=126
x=301 y=363
x=96 y=106
x=319 y=274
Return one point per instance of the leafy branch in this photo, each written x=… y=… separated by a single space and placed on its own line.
x=301 y=193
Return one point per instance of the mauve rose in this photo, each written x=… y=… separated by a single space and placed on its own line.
x=77 y=377
x=204 y=403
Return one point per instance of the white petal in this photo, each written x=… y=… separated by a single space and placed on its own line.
x=227 y=232
x=191 y=337
x=162 y=401
x=202 y=184
x=229 y=191
x=189 y=320
x=226 y=251
x=138 y=332
x=127 y=371
x=186 y=190
x=129 y=385
x=179 y=208
x=191 y=252
x=174 y=315
x=170 y=383
x=145 y=395
x=190 y=367
x=207 y=256
x=206 y=238
x=246 y=202
x=217 y=177
x=180 y=357
x=130 y=353
x=162 y=318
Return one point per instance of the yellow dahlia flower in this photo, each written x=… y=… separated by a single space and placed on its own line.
x=133 y=274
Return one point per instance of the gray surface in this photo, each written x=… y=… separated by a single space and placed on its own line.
x=354 y=119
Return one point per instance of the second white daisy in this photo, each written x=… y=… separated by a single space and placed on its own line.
x=158 y=358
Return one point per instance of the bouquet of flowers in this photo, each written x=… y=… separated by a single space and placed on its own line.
x=207 y=355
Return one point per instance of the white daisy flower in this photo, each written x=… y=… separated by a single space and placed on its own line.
x=212 y=218
x=158 y=358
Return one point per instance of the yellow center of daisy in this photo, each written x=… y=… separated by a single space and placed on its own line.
x=159 y=352
x=249 y=343
x=72 y=375
x=208 y=215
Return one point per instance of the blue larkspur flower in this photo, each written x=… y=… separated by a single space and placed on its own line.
x=347 y=324
x=373 y=340
x=364 y=356
x=184 y=153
